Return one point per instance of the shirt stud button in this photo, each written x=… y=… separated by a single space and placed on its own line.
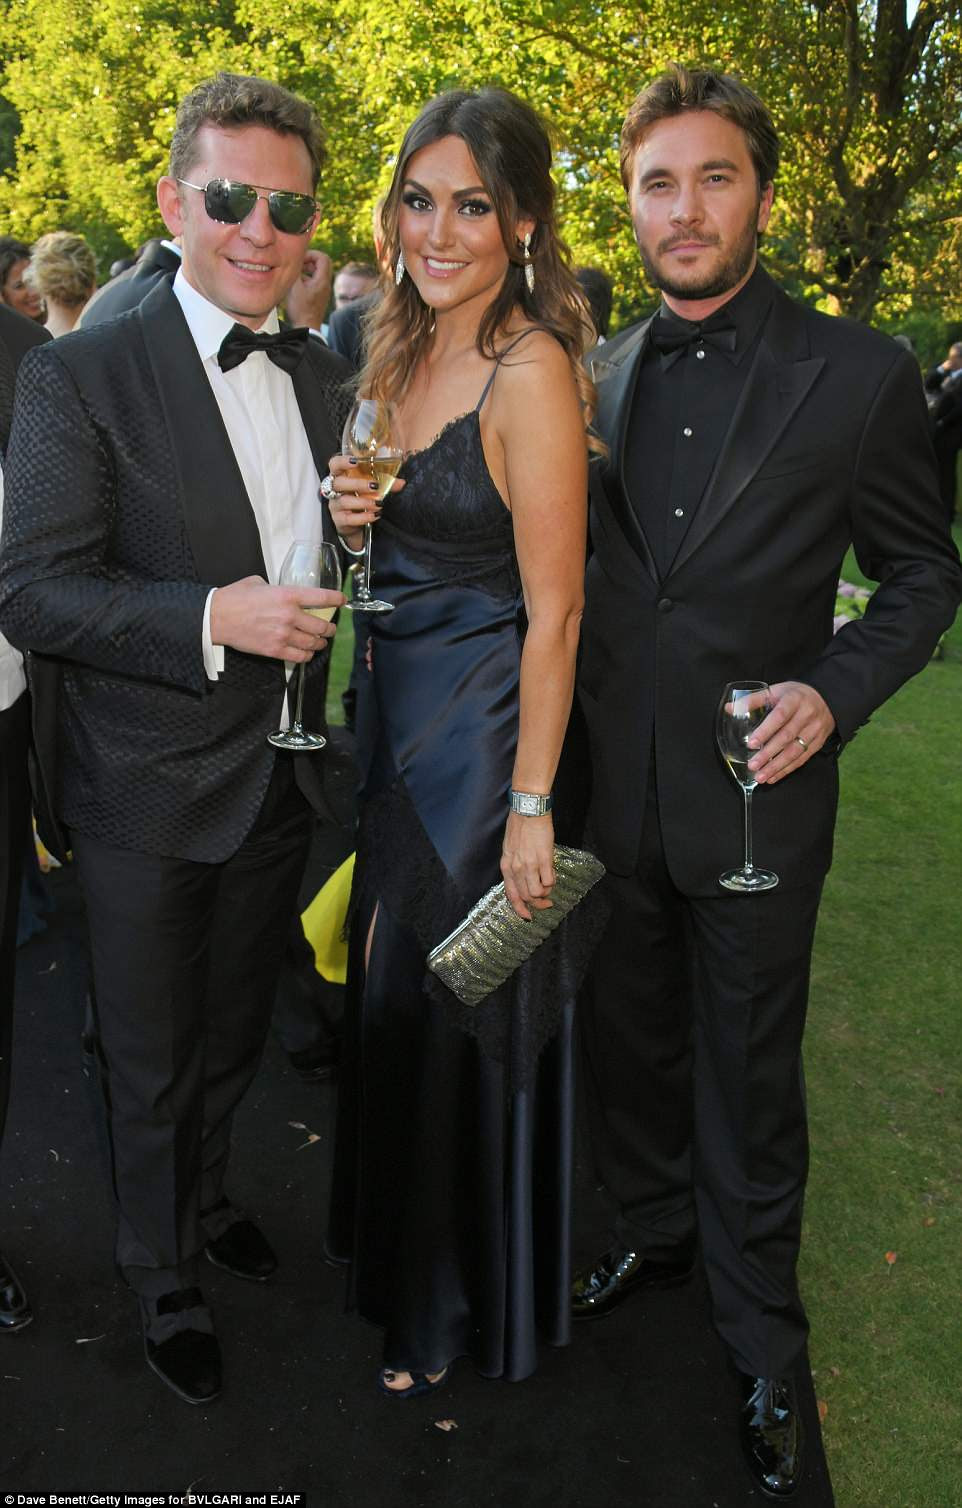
x=679 y=512
x=686 y=432
x=700 y=355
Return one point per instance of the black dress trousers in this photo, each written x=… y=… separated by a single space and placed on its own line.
x=14 y=823
x=185 y=961
x=692 y=1044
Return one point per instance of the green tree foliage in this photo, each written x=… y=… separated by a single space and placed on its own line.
x=9 y=130
x=869 y=208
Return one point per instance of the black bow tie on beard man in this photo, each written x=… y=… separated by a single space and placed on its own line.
x=673 y=338
x=284 y=349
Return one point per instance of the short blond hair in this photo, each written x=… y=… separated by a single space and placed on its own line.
x=63 y=268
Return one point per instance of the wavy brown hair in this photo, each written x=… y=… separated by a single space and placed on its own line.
x=679 y=89
x=512 y=151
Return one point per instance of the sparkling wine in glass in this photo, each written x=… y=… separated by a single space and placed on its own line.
x=371 y=436
x=306 y=564
x=744 y=706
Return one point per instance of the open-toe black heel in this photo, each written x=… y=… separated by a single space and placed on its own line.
x=420 y=1383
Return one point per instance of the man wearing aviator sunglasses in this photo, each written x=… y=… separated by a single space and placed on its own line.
x=230 y=203
x=160 y=466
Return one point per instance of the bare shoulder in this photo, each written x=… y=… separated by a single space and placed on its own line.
x=536 y=372
x=532 y=350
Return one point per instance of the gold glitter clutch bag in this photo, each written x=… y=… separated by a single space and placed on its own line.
x=493 y=940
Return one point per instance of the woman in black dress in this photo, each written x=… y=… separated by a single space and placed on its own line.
x=453 y=1159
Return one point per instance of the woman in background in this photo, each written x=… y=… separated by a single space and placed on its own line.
x=453 y=1161
x=63 y=273
x=15 y=291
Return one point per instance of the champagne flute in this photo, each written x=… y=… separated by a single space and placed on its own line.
x=307 y=564
x=744 y=706
x=370 y=436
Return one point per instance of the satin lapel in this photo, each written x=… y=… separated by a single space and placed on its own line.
x=317 y=421
x=777 y=385
x=218 y=516
x=616 y=381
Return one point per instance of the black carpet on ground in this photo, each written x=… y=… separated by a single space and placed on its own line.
x=638 y=1413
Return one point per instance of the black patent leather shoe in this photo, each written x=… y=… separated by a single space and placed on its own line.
x=771 y=1433
x=598 y=1289
x=314 y=1065
x=15 y=1311
x=188 y=1361
x=242 y=1250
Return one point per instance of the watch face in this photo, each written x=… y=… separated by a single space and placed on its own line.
x=530 y=805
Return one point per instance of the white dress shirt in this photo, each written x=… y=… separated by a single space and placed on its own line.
x=13 y=682
x=263 y=422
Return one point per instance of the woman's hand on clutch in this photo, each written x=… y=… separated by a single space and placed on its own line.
x=527 y=862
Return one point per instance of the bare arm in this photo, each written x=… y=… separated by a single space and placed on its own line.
x=539 y=423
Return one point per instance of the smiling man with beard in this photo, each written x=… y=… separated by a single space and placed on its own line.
x=751 y=441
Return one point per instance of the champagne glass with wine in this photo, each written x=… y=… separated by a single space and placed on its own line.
x=370 y=436
x=306 y=564
x=744 y=706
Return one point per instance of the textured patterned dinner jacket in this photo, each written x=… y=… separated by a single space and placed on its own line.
x=125 y=505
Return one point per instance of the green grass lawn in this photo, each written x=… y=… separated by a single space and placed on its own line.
x=342 y=655
x=885 y=1094
x=885 y=1091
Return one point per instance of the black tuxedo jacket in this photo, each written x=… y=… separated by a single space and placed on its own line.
x=125 y=505
x=945 y=412
x=127 y=289
x=344 y=333
x=828 y=445
x=18 y=335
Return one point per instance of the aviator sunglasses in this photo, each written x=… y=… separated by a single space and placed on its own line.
x=230 y=203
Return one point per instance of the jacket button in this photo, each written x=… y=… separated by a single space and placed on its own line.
x=665 y=605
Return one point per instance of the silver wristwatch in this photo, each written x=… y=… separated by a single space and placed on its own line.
x=529 y=805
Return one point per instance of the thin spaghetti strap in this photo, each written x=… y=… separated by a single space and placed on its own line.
x=498 y=360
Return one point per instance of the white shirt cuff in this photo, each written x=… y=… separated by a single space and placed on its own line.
x=213 y=653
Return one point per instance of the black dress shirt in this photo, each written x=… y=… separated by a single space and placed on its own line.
x=681 y=411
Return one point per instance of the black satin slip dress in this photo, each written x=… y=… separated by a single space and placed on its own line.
x=453 y=1165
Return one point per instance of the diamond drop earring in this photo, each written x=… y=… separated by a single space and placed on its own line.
x=528 y=264
x=399 y=269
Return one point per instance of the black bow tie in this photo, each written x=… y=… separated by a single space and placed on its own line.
x=673 y=340
x=284 y=349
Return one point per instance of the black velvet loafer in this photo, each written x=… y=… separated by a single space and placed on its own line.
x=614 y=1277
x=15 y=1311
x=771 y=1433
x=242 y=1250
x=187 y=1360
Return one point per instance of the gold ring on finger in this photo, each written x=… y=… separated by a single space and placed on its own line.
x=801 y=742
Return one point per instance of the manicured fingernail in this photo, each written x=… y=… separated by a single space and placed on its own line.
x=373 y=486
